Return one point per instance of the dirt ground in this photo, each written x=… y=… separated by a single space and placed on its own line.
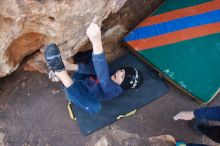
x=33 y=110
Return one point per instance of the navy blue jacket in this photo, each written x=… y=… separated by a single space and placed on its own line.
x=86 y=91
x=208 y=113
x=103 y=88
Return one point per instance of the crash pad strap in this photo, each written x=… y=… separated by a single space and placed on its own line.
x=73 y=117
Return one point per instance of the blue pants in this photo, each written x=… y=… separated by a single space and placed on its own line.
x=76 y=94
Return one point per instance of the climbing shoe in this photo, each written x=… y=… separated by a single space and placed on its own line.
x=53 y=58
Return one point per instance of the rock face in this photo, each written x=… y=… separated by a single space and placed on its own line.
x=28 y=25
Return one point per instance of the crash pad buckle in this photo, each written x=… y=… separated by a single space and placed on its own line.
x=72 y=115
x=127 y=115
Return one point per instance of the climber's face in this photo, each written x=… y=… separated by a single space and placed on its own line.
x=118 y=76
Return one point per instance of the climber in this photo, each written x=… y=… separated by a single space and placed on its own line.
x=91 y=83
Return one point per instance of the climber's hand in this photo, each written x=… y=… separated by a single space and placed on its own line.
x=185 y=115
x=94 y=34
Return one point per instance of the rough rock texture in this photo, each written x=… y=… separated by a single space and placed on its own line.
x=114 y=28
x=110 y=38
x=162 y=140
x=27 y=25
